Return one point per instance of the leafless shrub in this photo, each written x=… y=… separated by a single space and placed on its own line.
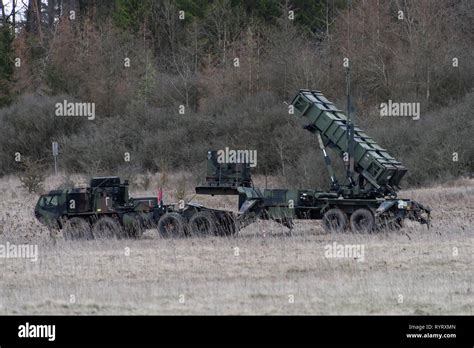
x=32 y=175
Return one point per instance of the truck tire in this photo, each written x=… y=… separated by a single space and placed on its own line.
x=107 y=228
x=203 y=223
x=172 y=225
x=49 y=223
x=136 y=231
x=335 y=220
x=77 y=229
x=134 y=225
x=362 y=221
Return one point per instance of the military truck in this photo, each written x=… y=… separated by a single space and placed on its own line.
x=101 y=210
x=365 y=201
x=105 y=210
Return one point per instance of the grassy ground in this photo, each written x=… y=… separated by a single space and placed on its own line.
x=262 y=271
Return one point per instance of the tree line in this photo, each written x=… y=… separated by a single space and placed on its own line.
x=171 y=79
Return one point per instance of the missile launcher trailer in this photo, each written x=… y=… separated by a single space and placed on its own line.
x=366 y=201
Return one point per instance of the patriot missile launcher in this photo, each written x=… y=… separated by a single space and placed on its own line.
x=365 y=201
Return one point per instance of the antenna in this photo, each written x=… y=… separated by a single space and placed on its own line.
x=350 y=128
x=350 y=118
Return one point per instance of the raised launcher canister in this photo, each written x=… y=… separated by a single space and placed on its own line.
x=372 y=162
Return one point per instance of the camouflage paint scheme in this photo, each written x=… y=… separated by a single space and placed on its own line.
x=371 y=196
x=106 y=196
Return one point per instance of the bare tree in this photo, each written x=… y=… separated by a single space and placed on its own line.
x=4 y=17
x=51 y=13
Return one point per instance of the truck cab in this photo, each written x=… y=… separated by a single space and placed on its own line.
x=51 y=206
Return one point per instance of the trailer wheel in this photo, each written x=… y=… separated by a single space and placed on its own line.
x=335 y=220
x=203 y=223
x=362 y=220
x=227 y=225
x=172 y=225
x=107 y=228
x=77 y=228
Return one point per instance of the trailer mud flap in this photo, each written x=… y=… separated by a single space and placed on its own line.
x=246 y=206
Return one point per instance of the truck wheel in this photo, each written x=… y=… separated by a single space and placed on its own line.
x=335 y=220
x=107 y=228
x=134 y=232
x=172 y=225
x=50 y=224
x=227 y=225
x=137 y=231
x=77 y=228
x=134 y=225
x=203 y=223
x=362 y=220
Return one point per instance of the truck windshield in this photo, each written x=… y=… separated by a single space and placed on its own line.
x=49 y=201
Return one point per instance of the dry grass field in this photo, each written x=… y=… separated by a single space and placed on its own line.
x=262 y=271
